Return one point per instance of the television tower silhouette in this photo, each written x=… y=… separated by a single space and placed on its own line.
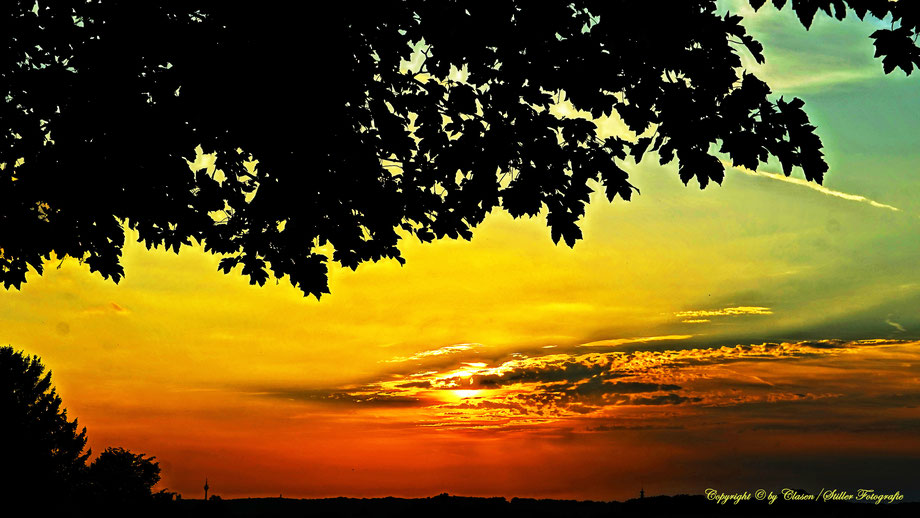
x=206 y=489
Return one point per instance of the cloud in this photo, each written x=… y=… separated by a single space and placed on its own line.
x=107 y=309
x=618 y=427
x=416 y=384
x=540 y=370
x=895 y=325
x=443 y=351
x=631 y=387
x=813 y=186
x=804 y=81
x=694 y=316
x=745 y=379
x=667 y=399
x=597 y=386
x=641 y=340
x=343 y=397
x=830 y=53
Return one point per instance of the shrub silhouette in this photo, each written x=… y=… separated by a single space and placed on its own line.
x=118 y=475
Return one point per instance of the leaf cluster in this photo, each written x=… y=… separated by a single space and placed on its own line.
x=337 y=134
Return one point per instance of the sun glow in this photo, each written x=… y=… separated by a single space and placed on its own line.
x=463 y=394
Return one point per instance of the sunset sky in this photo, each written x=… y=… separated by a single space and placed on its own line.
x=762 y=333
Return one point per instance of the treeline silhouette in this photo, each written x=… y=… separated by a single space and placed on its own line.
x=446 y=506
x=43 y=454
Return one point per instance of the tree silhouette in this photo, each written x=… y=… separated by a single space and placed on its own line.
x=41 y=451
x=118 y=475
x=333 y=141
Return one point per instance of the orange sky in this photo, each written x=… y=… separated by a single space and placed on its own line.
x=265 y=392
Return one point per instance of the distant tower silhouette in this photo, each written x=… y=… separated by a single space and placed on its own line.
x=206 y=488
x=642 y=492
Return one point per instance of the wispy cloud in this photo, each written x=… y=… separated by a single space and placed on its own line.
x=443 y=351
x=830 y=53
x=613 y=342
x=696 y=316
x=895 y=325
x=110 y=308
x=813 y=186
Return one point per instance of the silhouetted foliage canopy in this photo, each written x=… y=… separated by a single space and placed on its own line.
x=118 y=475
x=337 y=131
x=41 y=451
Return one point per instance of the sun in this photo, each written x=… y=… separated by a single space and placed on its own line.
x=463 y=394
